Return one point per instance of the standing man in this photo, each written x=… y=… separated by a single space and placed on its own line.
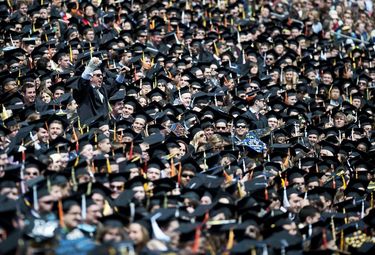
x=92 y=92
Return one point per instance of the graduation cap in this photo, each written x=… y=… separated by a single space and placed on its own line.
x=114 y=221
x=118 y=96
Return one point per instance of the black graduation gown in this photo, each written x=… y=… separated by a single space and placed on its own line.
x=89 y=101
x=257 y=122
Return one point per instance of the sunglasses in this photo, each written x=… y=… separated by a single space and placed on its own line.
x=187 y=175
x=241 y=126
x=47 y=202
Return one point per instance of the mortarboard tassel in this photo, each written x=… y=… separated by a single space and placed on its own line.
x=179 y=173
x=230 y=240
x=83 y=206
x=285 y=195
x=240 y=191
x=333 y=229
x=35 y=198
x=70 y=53
x=372 y=200
x=61 y=213
x=324 y=237
x=265 y=193
x=114 y=133
x=107 y=209
x=173 y=170
x=362 y=208
x=108 y=166
x=216 y=49
x=342 y=240
x=227 y=177
x=131 y=151
x=253 y=251
x=197 y=239
x=74 y=180
x=343 y=181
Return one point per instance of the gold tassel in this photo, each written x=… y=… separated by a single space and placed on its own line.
x=108 y=166
x=230 y=240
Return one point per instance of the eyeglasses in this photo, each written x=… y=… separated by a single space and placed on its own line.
x=98 y=75
x=114 y=187
x=187 y=175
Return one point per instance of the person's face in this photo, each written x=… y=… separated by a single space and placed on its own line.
x=46 y=203
x=339 y=121
x=291 y=228
x=327 y=78
x=113 y=235
x=241 y=129
x=43 y=135
x=29 y=96
x=135 y=233
x=289 y=76
x=295 y=203
x=88 y=151
x=221 y=127
x=46 y=98
x=104 y=146
x=90 y=35
x=133 y=172
x=72 y=106
x=97 y=78
x=208 y=132
x=139 y=193
x=156 y=39
x=23 y=9
x=128 y=110
x=153 y=174
x=272 y=123
x=357 y=103
x=116 y=187
x=98 y=200
x=10 y=192
x=313 y=138
x=89 y=11
x=186 y=176
x=56 y=192
x=313 y=184
x=291 y=100
x=64 y=62
x=270 y=60
x=93 y=214
x=58 y=93
x=142 y=38
x=186 y=99
x=335 y=94
x=72 y=218
x=118 y=107
x=43 y=13
x=31 y=173
x=206 y=200
x=138 y=125
x=55 y=129
x=299 y=183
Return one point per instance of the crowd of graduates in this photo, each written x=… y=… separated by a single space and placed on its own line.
x=187 y=127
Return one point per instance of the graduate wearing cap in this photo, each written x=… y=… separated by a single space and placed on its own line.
x=93 y=93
